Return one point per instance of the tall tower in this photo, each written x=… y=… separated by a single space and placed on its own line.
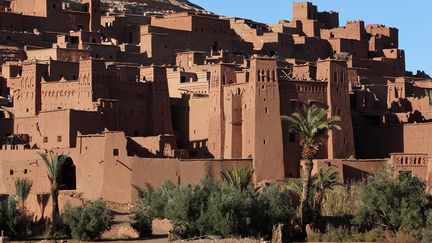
x=28 y=99
x=340 y=144
x=216 y=135
x=94 y=9
x=263 y=121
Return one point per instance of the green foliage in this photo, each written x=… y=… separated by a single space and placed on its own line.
x=155 y=201
x=226 y=210
x=141 y=220
x=276 y=207
x=238 y=177
x=13 y=222
x=54 y=163
x=234 y=212
x=89 y=222
x=311 y=124
x=342 y=200
x=393 y=203
x=322 y=183
x=22 y=190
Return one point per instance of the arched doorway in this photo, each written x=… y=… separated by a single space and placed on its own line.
x=68 y=175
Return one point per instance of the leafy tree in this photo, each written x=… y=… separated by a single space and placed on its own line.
x=311 y=124
x=141 y=220
x=276 y=208
x=238 y=177
x=14 y=222
x=323 y=182
x=89 y=222
x=234 y=212
x=54 y=163
x=155 y=201
x=394 y=204
x=22 y=190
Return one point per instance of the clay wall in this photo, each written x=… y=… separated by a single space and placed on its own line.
x=328 y=20
x=373 y=142
x=353 y=31
x=311 y=48
x=351 y=170
x=358 y=49
x=304 y=10
x=178 y=171
x=415 y=163
x=391 y=35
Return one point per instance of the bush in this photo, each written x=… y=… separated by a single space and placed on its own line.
x=13 y=222
x=89 y=222
x=342 y=200
x=156 y=201
x=141 y=220
x=214 y=209
x=234 y=212
x=276 y=207
x=393 y=203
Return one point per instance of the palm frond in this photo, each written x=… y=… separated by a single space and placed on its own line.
x=22 y=190
x=54 y=163
x=240 y=178
x=311 y=123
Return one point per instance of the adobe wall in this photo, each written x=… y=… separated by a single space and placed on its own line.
x=177 y=171
x=351 y=170
x=380 y=142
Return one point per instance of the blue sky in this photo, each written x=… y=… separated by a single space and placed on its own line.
x=412 y=18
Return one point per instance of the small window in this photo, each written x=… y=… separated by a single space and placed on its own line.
x=59 y=138
x=266 y=110
x=25 y=171
x=45 y=139
x=264 y=141
x=11 y=172
x=115 y=152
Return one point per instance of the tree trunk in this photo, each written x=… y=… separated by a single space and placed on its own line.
x=304 y=205
x=55 y=208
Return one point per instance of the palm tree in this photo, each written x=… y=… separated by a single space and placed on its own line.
x=323 y=181
x=22 y=190
x=239 y=178
x=54 y=163
x=311 y=124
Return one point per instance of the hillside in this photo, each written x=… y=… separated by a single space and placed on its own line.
x=147 y=6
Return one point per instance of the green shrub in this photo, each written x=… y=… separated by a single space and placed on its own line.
x=141 y=220
x=210 y=208
x=342 y=200
x=393 y=203
x=156 y=201
x=276 y=207
x=22 y=190
x=238 y=177
x=13 y=222
x=89 y=222
x=234 y=212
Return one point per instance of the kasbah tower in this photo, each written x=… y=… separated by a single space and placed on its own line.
x=135 y=100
